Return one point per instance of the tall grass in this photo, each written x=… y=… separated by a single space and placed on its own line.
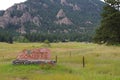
x=102 y=62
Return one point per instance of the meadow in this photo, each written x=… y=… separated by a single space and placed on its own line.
x=101 y=62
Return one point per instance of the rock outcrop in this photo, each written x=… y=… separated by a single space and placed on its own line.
x=9 y=17
x=65 y=21
x=62 y=18
x=60 y=14
x=64 y=2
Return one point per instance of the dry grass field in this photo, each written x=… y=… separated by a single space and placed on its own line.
x=102 y=62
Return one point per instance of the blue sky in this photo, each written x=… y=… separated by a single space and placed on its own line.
x=4 y=4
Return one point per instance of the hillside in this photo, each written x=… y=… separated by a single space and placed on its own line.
x=52 y=17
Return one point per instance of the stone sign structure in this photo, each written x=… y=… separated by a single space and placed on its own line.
x=34 y=56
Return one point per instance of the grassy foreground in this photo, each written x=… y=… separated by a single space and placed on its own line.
x=102 y=62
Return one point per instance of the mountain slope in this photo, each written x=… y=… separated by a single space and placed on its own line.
x=52 y=16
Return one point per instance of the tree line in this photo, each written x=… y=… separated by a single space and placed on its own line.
x=6 y=37
x=37 y=37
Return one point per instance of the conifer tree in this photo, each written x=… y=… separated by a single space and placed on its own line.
x=109 y=30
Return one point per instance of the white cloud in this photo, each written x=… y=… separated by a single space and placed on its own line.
x=4 y=4
x=102 y=0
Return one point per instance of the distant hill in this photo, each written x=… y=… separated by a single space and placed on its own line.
x=52 y=17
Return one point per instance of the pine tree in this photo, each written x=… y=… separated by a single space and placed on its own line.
x=113 y=3
x=10 y=40
x=109 y=30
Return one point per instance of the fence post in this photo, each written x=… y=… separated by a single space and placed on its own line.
x=70 y=54
x=83 y=61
